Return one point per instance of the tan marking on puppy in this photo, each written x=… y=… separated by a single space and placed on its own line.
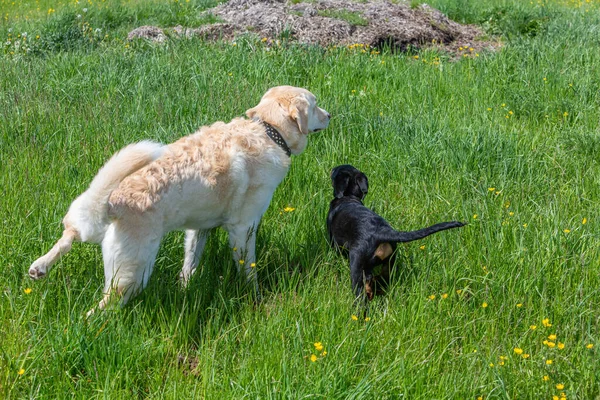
x=369 y=289
x=384 y=250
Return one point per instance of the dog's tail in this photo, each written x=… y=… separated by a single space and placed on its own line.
x=94 y=201
x=391 y=235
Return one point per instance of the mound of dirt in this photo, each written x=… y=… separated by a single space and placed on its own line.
x=337 y=22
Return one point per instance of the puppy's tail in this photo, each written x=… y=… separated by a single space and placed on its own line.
x=391 y=235
x=93 y=203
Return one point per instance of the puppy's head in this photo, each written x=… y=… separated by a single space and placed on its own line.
x=293 y=112
x=348 y=181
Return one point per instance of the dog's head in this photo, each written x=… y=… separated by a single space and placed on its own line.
x=294 y=112
x=348 y=181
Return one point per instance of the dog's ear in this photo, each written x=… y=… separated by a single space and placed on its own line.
x=251 y=113
x=299 y=112
x=363 y=183
x=340 y=184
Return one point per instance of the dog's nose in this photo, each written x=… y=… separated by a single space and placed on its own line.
x=328 y=115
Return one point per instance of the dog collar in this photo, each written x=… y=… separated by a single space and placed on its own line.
x=276 y=137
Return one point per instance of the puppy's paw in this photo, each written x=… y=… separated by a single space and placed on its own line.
x=37 y=270
x=184 y=278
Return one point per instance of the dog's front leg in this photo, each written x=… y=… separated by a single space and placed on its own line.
x=242 y=240
x=195 y=240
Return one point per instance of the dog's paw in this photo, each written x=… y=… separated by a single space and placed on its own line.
x=184 y=278
x=37 y=270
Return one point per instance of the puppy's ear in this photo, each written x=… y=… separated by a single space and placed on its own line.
x=251 y=113
x=363 y=183
x=340 y=184
x=299 y=112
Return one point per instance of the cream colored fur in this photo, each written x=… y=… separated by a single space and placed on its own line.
x=222 y=175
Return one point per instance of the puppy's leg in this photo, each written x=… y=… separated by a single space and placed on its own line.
x=358 y=277
x=42 y=265
x=242 y=239
x=128 y=263
x=195 y=240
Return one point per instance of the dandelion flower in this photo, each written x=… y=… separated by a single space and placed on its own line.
x=21 y=371
x=354 y=318
x=551 y=344
x=484 y=305
x=546 y=322
x=474 y=216
x=589 y=346
x=518 y=350
x=431 y=297
x=511 y=213
x=560 y=386
x=491 y=189
x=555 y=397
x=27 y=291
x=584 y=221
x=526 y=356
x=422 y=247
x=318 y=346
x=565 y=114
x=444 y=295
x=552 y=337
x=367 y=319
x=524 y=225
x=533 y=327
x=519 y=305
x=560 y=345
x=313 y=358
x=252 y=265
x=546 y=378
x=489 y=109
x=289 y=209
x=459 y=291
x=566 y=230
x=549 y=362
x=324 y=353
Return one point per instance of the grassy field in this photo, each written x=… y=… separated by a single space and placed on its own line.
x=507 y=307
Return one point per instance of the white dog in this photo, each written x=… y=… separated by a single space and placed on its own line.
x=222 y=175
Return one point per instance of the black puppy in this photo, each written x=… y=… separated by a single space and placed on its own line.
x=365 y=237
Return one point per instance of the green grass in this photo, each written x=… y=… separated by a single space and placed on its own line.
x=511 y=137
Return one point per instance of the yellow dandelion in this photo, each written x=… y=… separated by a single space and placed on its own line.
x=480 y=398
x=235 y=249
x=533 y=327
x=546 y=378
x=318 y=346
x=545 y=343
x=313 y=358
x=552 y=337
x=27 y=291
x=422 y=247
x=491 y=189
x=367 y=319
x=510 y=112
x=242 y=262
x=565 y=114
x=501 y=363
x=474 y=216
x=518 y=350
x=416 y=57
x=252 y=265
x=549 y=362
x=324 y=353
x=431 y=297
x=503 y=104
x=551 y=344
x=560 y=345
x=526 y=356
x=566 y=230
x=584 y=221
x=289 y=209
x=459 y=292
x=524 y=225
x=519 y=305
x=444 y=295
x=21 y=371
x=503 y=358
x=546 y=322
x=264 y=39
x=511 y=213
x=489 y=109
x=354 y=318
x=491 y=365
x=560 y=386
x=589 y=346
x=484 y=305
x=555 y=397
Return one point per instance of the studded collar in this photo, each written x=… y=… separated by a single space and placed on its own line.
x=277 y=138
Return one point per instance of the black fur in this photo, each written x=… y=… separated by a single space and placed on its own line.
x=359 y=231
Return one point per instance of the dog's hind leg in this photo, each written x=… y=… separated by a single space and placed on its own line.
x=128 y=263
x=195 y=240
x=42 y=265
